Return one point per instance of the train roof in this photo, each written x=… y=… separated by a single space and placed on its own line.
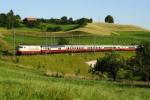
x=76 y=45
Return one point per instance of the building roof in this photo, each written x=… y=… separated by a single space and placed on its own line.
x=31 y=18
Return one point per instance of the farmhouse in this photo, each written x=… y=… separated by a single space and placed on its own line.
x=30 y=19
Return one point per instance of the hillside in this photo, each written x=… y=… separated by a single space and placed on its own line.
x=64 y=63
x=29 y=77
x=107 y=29
x=94 y=33
x=17 y=83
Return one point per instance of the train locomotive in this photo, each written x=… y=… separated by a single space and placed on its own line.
x=45 y=49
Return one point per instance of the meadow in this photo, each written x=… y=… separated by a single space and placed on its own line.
x=67 y=64
x=28 y=77
x=124 y=38
x=17 y=83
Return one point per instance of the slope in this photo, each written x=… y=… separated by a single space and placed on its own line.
x=17 y=83
x=108 y=29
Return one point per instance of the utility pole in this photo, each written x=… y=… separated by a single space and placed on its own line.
x=22 y=39
x=72 y=39
x=54 y=39
x=72 y=44
x=51 y=39
x=46 y=38
x=79 y=40
x=46 y=42
x=14 y=45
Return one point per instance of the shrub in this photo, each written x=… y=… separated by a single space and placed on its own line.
x=54 y=29
x=63 y=41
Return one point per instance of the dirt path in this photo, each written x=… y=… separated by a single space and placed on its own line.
x=91 y=63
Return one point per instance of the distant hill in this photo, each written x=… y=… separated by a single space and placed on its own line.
x=104 y=33
x=107 y=29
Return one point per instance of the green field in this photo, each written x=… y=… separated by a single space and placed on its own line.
x=94 y=33
x=17 y=83
x=125 y=38
x=26 y=29
x=66 y=63
x=61 y=63
x=29 y=77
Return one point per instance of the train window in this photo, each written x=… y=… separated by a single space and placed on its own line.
x=59 y=48
x=20 y=46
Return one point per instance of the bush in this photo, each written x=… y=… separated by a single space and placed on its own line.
x=125 y=74
x=54 y=29
x=63 y=41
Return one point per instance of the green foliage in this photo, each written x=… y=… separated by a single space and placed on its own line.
x=111 y=64
x=83 y=22
x=63 y=41
x=54 y=29
x=17 y=83
x=3 y=18
x=124 y=74
x=65 y=20
x=143 y=60
x=42 y=27
x=77 y=72
x=109 y=19
x=9 y=20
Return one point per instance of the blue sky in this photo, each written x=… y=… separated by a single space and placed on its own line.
x=124 y=11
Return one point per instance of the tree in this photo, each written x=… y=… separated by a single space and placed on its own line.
x=143 y=60
x=3 y=18
x=109 y=19
x=70 y=20
x=82 y=22
x=63 y=41
x=64 y=19
x=12 y=20
x=111 y=64
x=9 y=20
x=90 y=20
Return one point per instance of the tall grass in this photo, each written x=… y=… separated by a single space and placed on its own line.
x=22 y=84
x=62 y=63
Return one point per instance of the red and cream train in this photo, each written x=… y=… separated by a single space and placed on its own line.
x=38 y=49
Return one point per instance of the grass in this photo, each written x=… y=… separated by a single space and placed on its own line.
x=26 y=29
x=137 y=35
x=111 y=34
x=26 y=78
x=63 y=27
x=61 y=63
x=122 y=37
x=107 y=29
x=18 y=83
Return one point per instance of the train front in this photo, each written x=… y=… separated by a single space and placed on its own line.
x=28 y=49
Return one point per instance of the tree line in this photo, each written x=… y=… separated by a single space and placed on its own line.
x=65 y=20
x=10 y=20
x=116 y=67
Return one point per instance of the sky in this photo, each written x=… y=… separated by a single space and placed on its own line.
x=136 y=12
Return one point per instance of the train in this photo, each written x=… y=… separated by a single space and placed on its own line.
x=48 y=49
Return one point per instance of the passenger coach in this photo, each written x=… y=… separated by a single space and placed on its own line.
x=38 y=49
